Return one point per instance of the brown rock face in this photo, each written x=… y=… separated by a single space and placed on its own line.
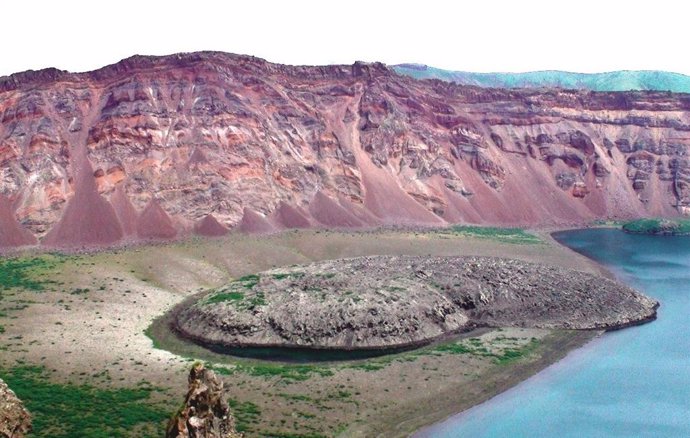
x=205 y=413
x=15 y=420
x=214 y=132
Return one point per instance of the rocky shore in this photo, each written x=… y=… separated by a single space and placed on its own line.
x=658 y=227
x=396 y=301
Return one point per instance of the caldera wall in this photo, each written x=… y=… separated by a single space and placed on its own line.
x=224 y=134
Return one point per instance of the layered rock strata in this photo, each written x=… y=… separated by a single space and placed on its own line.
x=150 y=146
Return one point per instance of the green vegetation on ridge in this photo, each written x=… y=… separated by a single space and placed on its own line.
x=240 y=293
x=658 y=226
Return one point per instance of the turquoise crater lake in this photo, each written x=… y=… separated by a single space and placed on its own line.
x=629 y=383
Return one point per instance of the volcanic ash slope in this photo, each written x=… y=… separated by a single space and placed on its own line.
x=396 y=301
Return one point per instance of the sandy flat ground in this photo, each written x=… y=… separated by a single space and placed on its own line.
x=80 y=334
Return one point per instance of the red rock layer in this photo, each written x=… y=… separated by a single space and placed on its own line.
x=362 y=214
x=11 y=233
x=210 y=227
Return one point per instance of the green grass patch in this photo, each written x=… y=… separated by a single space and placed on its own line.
x=239 y=293
x=149 y=334
x=27 y=272
x=607 y=223
x=369 y=366
x=246 y=414
x=454 y=349
x=289 y=275
x=225 y=296
x=257 y=300
x=66 y=410
x=658 y=226
x=500 y=353
x=508 y=235
x=249 y=281
x=296 y=373
x=290 y=373
x=512 y=354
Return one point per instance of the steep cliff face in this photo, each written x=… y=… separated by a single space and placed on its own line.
x=150 y=146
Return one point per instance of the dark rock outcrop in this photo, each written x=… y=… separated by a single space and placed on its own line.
x=205 y=412
x=395 y=301
x=15 y=420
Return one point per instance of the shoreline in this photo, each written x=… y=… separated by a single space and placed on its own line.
x=551 y=358
x=446 y=404
x=572 y=354
x=428 y=420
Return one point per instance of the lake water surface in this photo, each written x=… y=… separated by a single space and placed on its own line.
x=629 y=383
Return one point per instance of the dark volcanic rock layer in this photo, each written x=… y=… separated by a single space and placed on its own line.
x=224 y=134
x=395 y=301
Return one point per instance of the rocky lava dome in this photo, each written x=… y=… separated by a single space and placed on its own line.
x=398 y=301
